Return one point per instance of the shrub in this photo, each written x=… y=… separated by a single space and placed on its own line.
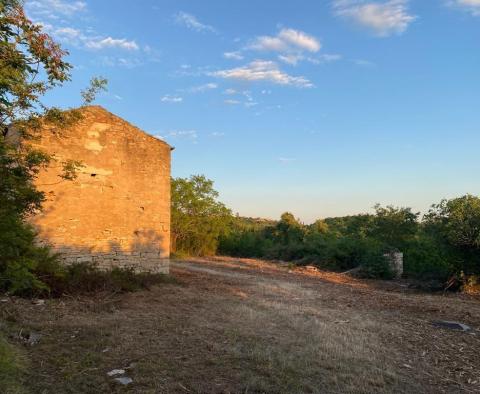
x=84 y=278
x=376 y=266
x=425 y=259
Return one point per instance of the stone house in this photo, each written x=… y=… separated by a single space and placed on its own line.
x=116 y=213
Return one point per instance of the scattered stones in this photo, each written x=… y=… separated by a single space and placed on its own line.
x=452 y=325
x=114 y=372
x=124 y=380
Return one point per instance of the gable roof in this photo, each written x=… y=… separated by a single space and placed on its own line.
x=99 y=109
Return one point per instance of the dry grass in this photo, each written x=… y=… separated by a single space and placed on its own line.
x=252 y=327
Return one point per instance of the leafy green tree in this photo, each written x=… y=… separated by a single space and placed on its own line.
x=394 y=227
x=31 y=64
x=456 y=223
x=198 y=218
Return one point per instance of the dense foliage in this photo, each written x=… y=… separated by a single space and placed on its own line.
x=445 y=242
x=198 y=218
x=31 y=63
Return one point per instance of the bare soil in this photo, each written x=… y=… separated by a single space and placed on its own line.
x=248 y=326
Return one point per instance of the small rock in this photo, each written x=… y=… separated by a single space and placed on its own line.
x=452 y=325
x=4 y=300
x=114 y=372
x=124 y=380
x=38 y=302
x=33 y=338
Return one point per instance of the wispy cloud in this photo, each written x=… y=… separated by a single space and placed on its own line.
x=217 y=134
x=384 y=18
x=191 y=22
x=203 y=88
x=286 y=160
x=188 y=135
x=232 y=102
x=287 y=40
x=171 y=99
x=472 y=6
x=235 y=55
x=118 y=61
x=263 y=71
x=54 y=9
x=110 y=42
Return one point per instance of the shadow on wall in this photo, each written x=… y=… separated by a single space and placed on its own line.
x=142 y=252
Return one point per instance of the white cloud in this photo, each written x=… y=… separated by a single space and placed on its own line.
x=68 y=33
x=324 y=58
x=232 y=102
x=192 y=23
x=217 y=134
x=287 y=40
x=263 y=71
x=300 y=39
x=189 y=135
x=236 y=55
x=291 y=59
x=54 y=8
x=113 y=61
x=182 y=133
x=230 y=91
x=171 y=99
x=472 y=6
x=203 y=88
x=110 y=42
x=384 y=18
x=286 y=160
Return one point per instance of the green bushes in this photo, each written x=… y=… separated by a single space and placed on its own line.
x=445 y=242
x=49 y=278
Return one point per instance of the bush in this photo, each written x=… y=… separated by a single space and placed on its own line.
x=426 y=260
x=84 y=278
x=376 y=266
x=21 y=260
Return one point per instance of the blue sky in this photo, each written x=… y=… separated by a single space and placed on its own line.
x=320 y=108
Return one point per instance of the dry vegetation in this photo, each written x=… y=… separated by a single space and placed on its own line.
x=246 y=326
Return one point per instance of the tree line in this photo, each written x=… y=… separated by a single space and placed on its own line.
x=438 y=246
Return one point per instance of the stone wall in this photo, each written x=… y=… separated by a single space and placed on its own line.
x=117 y=212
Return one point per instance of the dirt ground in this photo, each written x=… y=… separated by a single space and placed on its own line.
x=247 y=326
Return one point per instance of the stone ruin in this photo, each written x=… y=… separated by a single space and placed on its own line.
x=116 y=213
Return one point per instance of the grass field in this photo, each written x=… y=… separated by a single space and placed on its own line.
x=247 y=326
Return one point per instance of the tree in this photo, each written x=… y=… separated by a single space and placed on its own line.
x=198 y=218
x=456 y=223
x=31 y=64
x=394 y=227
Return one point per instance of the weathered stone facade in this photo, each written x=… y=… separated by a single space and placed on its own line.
x=117 y=211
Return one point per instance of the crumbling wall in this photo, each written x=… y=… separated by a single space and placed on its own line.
x=117 y=212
